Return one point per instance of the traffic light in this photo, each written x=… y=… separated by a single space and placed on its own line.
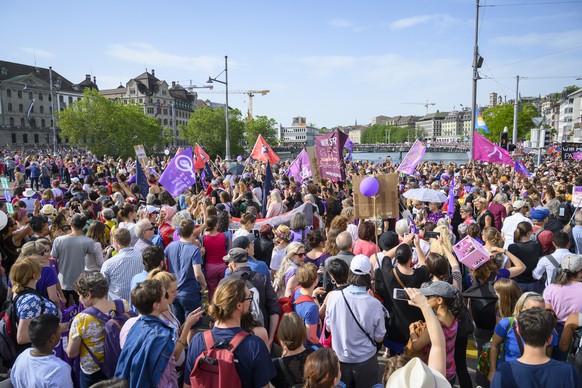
x=548 y=137
x=503 y=141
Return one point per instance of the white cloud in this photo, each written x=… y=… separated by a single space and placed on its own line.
x=561 y=40
x=441 y=20
x=38 y=53
x=144 y=53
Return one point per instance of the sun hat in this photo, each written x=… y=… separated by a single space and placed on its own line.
x=28 y=192
x=518 y=204
x=48 y=210
x=388 y=240
x=360 y=265
x=416 y=374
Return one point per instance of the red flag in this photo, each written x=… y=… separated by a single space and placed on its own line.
x=263 y=152
x=200 y=158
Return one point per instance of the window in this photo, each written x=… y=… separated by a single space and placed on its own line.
x=32 y=123
x=12 y=121
x=13 y=138
x=20 y=94
x=70 y=100
x=30 y=95
x=9 y=107
x=42 y=123
x=20 y=108
x=165 y=121
x=150 y=111
x=41 y=109
x=61 y=98
x=131 y=91
x=140 y=100
x=25 y=138
x=8 y=93
x=22 y=123
x=40 y=97
x=36 y=138
x=163 y=92
x=165 y=111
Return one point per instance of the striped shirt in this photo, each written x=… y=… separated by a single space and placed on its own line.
x=119 y=270
x=450 y=338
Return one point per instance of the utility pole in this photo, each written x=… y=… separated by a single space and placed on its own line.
x=477 y=62
x=514 y=139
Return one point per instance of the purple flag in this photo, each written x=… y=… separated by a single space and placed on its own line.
x=179 y=173
x=412 y=158
x=329 y=149
x=350 y=147
x=451 y=199
x=521 y=169
x=300 y=169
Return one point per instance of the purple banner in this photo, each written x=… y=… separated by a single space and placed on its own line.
x=300 y=169
x=451 y=199
x=329 y=149
x=179 y=173
x=412 y=158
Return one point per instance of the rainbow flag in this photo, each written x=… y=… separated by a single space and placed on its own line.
x=479 y=122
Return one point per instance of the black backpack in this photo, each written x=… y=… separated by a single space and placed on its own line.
x=564 y=212
x=482 y=301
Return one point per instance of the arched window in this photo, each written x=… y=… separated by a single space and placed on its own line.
x=22 y=123
x=41 y=109
x=42 y=123
x=20 y=94
x=12 y=121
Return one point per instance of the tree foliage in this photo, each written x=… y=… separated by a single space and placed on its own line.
x=107 y=127
x=381 y=133
x=261 y=125
x=501 y=116
x=207 y=127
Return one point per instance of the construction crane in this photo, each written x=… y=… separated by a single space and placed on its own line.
x=250 y=93
x=426 y=104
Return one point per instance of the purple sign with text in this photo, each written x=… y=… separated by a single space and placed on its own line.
x=179 y=174
x=329 y=149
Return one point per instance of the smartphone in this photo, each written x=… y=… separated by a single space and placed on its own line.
x=400 y=294
x=432 y=234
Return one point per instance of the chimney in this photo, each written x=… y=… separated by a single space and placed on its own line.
x=95 y=80
x=153 y=72
x=88 y=77
x=173 y=83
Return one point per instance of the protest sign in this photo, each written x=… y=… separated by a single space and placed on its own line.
x=386 y=199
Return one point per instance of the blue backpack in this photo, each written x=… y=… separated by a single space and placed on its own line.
x=113 y=324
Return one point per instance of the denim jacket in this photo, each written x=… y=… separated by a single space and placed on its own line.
x=147 y=350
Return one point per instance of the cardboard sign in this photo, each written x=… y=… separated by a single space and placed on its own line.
x=4 y=183
x=141 y=155
x=314 y=163
x=571 y=151
x=386 y=200
x=471 y=253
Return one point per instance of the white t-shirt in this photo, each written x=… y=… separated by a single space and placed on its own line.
x=277 y=258
x=45 y=371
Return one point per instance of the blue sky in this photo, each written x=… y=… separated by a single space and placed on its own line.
x=333 y=62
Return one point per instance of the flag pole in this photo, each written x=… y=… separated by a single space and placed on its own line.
x=476 y=65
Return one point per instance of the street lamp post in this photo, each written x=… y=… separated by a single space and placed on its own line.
x=225 y=83
x=53 y=111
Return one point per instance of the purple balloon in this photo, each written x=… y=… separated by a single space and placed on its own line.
x=369 y=186
x=239 y=158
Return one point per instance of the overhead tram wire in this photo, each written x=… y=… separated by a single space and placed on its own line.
x=539 y=56
x=537 y=3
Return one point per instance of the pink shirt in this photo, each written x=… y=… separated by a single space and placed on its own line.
x=364 y=247
x=564 y=299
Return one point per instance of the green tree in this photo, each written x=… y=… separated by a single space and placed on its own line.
x=261 y=125
x=381 y=133
x=207 y=127
x=108 y=127
x=501 y=116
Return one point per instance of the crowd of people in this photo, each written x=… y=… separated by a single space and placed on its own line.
x=104 y=286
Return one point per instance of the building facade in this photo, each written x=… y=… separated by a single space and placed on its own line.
x=431 y=125
x=27 y=103
x=171 y=106
x=570 y=118
x=299 y=134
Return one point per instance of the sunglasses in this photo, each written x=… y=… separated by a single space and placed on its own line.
x=249 y=298
x=300 y=254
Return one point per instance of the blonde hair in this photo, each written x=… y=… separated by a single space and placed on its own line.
x=279 y=282
x=436 y=246
x=525 y=298
x=165 y=277
x=509 y=293
x=23 y=271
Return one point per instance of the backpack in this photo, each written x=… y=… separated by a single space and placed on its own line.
x=564 y=213
x=113 y=325
x=286 y=303
x=215 y=366
x=482 y=301
x=557 y=271
x=255 y=302
x=158 y=239
x=235 y=209
x=575 y=353
x=9 y=347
